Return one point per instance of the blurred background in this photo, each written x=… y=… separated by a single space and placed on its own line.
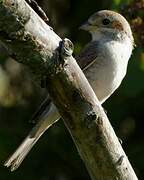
x=55 y=157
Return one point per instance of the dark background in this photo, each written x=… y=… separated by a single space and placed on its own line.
x=55 y=157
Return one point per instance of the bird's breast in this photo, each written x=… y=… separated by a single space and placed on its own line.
x=106 y=74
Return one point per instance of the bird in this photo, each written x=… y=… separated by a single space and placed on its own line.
x=104 y=61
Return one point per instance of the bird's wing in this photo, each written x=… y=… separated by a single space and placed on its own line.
x=88 y=55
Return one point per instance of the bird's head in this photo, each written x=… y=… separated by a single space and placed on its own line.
x=108 y=23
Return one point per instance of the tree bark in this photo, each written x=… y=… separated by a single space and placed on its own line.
x=31 y=42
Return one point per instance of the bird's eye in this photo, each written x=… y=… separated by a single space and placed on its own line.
x=105 y=21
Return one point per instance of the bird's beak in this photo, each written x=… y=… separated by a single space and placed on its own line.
x=86 y=26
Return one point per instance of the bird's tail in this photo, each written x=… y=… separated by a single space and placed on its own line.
x=18 y=156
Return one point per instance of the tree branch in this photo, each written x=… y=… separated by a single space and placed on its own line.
x=34 y=44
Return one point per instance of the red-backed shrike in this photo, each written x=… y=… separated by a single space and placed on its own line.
x=104 y=61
